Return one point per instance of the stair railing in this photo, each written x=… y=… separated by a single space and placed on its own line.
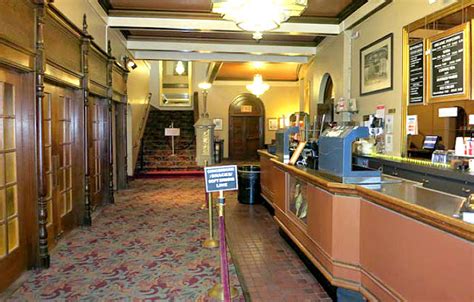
x=138 y=145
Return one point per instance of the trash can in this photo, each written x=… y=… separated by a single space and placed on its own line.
x=218 y=150
x=249 y=184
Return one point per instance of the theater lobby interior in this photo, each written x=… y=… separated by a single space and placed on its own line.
x=237 y=150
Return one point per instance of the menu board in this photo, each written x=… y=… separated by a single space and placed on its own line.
x=417 y=71
x=447 y=66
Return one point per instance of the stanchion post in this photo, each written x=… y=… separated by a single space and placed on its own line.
x=223 y=291
x=206 y=202
x=210 y=242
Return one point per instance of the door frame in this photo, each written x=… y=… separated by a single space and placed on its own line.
x=235 y=110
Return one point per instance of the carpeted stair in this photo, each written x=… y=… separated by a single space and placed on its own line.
x=157 y=157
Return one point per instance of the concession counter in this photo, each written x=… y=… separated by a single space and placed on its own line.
x=392 y=240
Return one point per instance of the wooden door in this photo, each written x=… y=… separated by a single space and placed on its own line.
x=99 y=141
x=246 y=127
x=245 y=137
x=17 y=175
x=58 y=147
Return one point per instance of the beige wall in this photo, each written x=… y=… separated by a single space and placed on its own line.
x=330 y=58
x=278 y=100
x=138 y=89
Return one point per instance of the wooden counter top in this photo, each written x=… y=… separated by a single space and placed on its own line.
x=443 y=222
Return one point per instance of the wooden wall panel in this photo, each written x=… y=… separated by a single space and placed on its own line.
x=97 y=67
x=63 y=47
x=18 y=27
x=119 y=83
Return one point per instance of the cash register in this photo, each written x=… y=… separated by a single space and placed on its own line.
x=335 y=155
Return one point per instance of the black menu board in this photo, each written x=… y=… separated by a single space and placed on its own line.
x=447 y=66
x=417 y=71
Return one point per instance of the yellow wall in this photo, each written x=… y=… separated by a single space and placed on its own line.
x=330 y=57
x=138 y=89
x=278 y=100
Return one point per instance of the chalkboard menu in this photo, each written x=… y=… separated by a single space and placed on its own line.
x=447 y=66
x=417 y=71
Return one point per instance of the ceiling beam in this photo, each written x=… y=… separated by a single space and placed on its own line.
x=210 y=57
x=212 y=71
x=219 y=47
x=124 y=22
x=368 y=9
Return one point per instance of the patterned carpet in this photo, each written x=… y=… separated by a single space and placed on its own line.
x=147 y=246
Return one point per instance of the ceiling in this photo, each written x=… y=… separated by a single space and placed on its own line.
x=188 y=30
x=235 y=71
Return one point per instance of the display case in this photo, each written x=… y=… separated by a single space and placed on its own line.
x=298 y=198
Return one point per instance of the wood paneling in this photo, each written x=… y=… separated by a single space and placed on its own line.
x=98 y=67
x=269 y=71
x=62 y=45
x=18 y=27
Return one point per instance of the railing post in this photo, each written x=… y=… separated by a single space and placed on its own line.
x=110 y=64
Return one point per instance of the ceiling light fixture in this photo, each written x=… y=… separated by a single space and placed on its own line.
x=258 y=87
x=179 y=68
x=258 y=16
x=129 y=63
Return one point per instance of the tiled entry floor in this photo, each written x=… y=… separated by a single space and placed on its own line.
x=271 y=269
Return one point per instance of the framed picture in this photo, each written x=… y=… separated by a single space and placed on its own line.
x=272 y=124
x=218 y=123
x=376 y=66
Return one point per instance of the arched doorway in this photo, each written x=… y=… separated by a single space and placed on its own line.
x=325 y=104
x=246 y=127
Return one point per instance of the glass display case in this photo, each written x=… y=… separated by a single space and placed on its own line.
x=298 y=198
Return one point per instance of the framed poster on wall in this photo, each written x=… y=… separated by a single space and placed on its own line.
x=449 y=65
x=376 y=66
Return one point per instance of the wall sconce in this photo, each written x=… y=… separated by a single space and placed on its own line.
x=129 y=63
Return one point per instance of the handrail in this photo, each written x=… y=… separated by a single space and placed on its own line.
x=141 y=130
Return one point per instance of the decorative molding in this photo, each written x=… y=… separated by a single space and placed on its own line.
x=85 y=46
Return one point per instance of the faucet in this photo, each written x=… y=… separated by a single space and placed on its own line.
x=468 y=204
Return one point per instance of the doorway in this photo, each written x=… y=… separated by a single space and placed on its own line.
x=246 y=127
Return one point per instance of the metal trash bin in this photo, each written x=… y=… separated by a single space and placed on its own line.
x=218 y=150
x=249 y=184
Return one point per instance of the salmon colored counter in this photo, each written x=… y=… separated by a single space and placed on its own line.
x=387 y=249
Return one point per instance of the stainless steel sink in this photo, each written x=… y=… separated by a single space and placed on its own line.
x=415 y=193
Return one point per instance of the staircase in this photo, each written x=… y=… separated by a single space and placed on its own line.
x=156 y=157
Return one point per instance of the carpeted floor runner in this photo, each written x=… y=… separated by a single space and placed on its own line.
x=147 y=246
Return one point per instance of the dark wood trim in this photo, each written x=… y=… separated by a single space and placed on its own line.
x=212 y=71
x=314 y=20
x=162 y=14
x=44 y=257
x=110 y=66
x=105 y=5
x=350 y=9
x=85 y=46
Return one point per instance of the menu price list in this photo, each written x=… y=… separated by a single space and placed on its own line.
x=417 y=68
x=447 y=59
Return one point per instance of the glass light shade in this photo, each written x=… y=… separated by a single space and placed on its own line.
x=258 y=87
x=204 y=85
x=258 y=15
x=179 y=68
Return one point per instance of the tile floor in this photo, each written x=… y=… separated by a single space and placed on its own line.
x=271 y=269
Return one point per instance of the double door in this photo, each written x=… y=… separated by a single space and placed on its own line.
x=99 y=151
x=59 y=144
x=17 y=175
x=246 y=137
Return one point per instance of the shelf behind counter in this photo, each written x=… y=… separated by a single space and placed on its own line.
x=371 y=241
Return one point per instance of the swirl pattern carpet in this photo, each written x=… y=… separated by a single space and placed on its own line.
x=146 y=246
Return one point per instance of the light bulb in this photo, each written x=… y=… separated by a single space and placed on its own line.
x=179 y=68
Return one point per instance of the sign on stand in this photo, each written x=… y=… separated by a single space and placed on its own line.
x=221 y=178
x=172 y=132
